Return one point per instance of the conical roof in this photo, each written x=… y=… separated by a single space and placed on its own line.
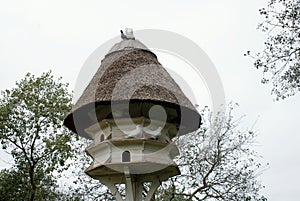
x=130 y=72
x=128 y=44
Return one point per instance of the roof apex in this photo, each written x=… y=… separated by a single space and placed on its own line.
x=128 y=44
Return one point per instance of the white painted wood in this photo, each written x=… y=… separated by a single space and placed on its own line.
x=155 y=184
x=150 y=150
x=113 y=189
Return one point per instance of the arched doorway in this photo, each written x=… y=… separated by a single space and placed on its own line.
x=101 y=138
x=126 y=156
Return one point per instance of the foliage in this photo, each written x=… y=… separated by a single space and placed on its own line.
x=11 y=181
x=280 y=59
x=216 y=163
x=31 y=131
x=15 y=186
x=85 y=187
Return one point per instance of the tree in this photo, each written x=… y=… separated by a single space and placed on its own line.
x=280 y=58
x=31 y=116
x=14 y=187
x=84 y=187
x=216 y=163
x=11 y=181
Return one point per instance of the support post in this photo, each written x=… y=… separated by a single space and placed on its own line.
x=134 y=187
x=138 y=190
x=130 y=188
x=154 y=185
x=113 y=189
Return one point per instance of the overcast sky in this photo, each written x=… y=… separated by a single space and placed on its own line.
x=37 y=36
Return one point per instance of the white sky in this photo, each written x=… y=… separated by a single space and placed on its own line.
x=36 y=36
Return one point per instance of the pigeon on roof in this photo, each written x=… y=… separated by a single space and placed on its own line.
x=123 y=36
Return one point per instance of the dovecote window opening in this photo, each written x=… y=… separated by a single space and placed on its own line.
x=126 y=156
x=101 y=137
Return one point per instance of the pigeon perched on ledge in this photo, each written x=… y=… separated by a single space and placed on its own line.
x=154 y=133
x=133 y=133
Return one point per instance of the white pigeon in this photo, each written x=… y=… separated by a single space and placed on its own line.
x=154 y=133
x=133 y=133
x=129 y=33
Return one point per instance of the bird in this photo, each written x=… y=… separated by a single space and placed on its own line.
x=154 y=133
x=123 y=36
x=129 y=33
x=133 y=133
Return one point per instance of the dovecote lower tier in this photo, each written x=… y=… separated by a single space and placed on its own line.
x=145 y=156
x=141 y=145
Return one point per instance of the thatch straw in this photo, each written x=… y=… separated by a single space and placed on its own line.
x=132 y=74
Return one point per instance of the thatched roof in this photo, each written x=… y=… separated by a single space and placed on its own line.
x=130 y=72
x=128 y=44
